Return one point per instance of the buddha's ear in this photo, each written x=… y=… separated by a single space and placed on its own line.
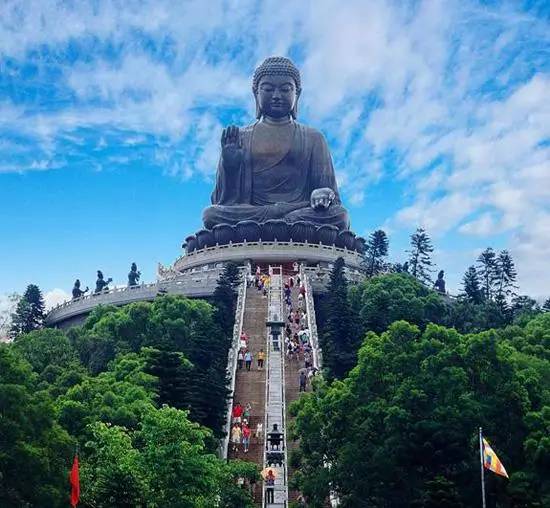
x=294 y=111
x=258 y=109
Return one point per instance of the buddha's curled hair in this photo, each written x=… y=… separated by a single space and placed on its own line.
x=277 y=66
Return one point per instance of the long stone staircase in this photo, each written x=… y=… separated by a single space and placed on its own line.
x=269 y=391
x=250 y=385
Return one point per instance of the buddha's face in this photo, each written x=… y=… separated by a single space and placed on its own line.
x=276 y=96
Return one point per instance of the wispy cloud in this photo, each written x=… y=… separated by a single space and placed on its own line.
x=448 y=98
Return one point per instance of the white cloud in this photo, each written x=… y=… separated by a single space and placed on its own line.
x=55 y=297
x=454 y=90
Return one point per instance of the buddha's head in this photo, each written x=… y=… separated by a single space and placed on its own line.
x=276 y=85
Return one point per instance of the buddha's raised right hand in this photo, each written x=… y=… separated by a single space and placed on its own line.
x=232 y=148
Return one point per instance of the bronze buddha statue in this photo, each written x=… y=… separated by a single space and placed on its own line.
x=275 y=168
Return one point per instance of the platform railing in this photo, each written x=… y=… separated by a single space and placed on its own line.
x=193 y=284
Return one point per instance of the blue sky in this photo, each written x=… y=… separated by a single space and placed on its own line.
x=437 y=114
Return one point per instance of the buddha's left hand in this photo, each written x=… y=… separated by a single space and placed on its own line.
x=322 y=198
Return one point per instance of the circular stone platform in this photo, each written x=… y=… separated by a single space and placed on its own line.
x=265 y=252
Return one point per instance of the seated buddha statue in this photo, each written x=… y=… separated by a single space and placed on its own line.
x=275 y=168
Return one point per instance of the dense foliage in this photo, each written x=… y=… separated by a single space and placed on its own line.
x=400 y=430
x=141 y=389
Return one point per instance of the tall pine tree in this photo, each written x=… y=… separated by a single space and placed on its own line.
x=488 y=272
x=506 y=276
x=29 y=313
x=340 y=338
x=546 y=305
x=471 y=284
x=420 y=261
x=376 y=251
x=225 y=298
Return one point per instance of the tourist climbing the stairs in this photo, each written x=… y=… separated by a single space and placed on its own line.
x=240 y=358
x=236 y=435
x=261 y=359
x=246 y=437
x=248 y=359
x=237 y=413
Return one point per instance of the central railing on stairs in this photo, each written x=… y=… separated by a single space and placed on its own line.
x=275 y=410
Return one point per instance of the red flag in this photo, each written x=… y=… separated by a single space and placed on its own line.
x=75 y=483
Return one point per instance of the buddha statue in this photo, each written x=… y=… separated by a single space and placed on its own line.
x=275 y=168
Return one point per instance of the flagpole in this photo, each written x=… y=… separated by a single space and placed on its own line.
x=482 y=468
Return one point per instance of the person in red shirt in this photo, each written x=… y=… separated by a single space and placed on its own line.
x=237 y=413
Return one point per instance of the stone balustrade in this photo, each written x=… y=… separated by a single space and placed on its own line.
x=194 y=285
x=269 y=252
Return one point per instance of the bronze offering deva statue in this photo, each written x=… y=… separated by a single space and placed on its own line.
x=275 y=168
x=134 y=275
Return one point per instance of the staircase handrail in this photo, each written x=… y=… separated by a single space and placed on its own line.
x=311 y=321
x=232 y=360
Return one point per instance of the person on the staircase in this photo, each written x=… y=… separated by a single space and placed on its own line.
x=270 y=487
x=236 y=434
x=246 y=437
x=248 y=359
x=275 y=437
x=237 y=413
x=240 y=358
x=303 y=381
x=261 y=359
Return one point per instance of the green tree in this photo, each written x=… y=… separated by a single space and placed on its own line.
x=113 y=472
x=34 y=450
x=391 y=297
x=164 y=463
x=225 y=298
x=376 y=251
x=524 y=308
x=400 y=430
x=173 y=372
x=471 y=284
x=45 y=348
x=488 y=272
x=29 y=313
x=339 y=337
x=506 y=276
x=546 y=305
x=119 y=396
x=420 y=261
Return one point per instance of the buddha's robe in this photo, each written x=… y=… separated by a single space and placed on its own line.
x=282 y=165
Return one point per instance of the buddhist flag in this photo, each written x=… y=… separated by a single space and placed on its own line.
x=75 y=483
x=491 y=461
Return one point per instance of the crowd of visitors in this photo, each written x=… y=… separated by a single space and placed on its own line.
x=240 y=427
x=297 y=335
x=245 y=356
x=259 y=280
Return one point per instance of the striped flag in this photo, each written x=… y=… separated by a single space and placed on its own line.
x=491 y=461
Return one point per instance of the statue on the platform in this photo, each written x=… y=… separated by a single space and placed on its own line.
x=77 y=292
x=133 y=276
x=275 y=168
x=439 y=284
x=101 y=284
